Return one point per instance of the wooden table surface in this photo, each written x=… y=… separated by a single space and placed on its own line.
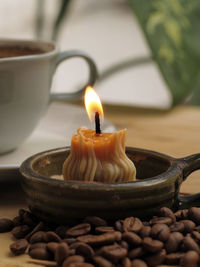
x=176 y=133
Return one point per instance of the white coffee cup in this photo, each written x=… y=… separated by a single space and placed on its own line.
x=26 y=72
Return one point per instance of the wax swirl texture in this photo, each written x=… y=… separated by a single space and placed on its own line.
x=98 y=157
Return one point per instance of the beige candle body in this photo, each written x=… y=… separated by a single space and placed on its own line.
x=99 y=158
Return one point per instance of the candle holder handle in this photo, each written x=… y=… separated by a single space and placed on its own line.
x=188 y=165
x=93 y=74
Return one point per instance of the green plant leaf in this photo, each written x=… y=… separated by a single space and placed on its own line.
x=63 y=9
x=172 y=30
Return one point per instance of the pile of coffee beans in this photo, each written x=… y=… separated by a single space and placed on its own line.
x=169 y=238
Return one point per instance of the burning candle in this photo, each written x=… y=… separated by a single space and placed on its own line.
x=96 y=156
x=93 y=107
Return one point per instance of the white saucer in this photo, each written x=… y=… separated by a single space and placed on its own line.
x=54 y=130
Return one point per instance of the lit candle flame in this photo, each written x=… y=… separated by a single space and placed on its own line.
x=93 y=103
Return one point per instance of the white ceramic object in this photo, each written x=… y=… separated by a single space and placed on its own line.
x=25 y=83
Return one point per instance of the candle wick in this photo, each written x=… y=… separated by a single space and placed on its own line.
x=97 y=123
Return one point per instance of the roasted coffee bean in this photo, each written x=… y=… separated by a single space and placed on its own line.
x=19 y=246
x=177 y=227
x=174 y=258
x=40 y=254
x=79 y=264
x=136 y=253
x=102 y=262
x=174 y=241
x=17 y=221
x=145 y=231
x=181 y=214
x=164 y=220
x=146 y=223
x=61 y=253
x=190 y=259
x=156 y=259
x=166 y=212
x=72 y=252
x=69 y=241
x=132 y=224
x=51 y=236
x=21 y=213
x=75 y=244
x=71 y=259
x=132 y=238
x=29 y=219
x=39 y=236
x=104 y=229
x=152 y=245
x=119 y=226
x=100 y=239
x=39 y=227
x=197 y=228
x=51 y=246
x=190 y=244
x=20 y=231
x=125 y=262
x=5 y=225
x=80 y=229
x=160 y=231
x=194 y=214
x=188 y=226
x=124 y=244
x=61 y=231
x=95 y=221
x=139 y=263
x=101 y=245
x=113 y=252
x=37 y=245
x=85 y=250
x=196 y=236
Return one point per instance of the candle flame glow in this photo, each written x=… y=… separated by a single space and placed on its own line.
x=93 y=103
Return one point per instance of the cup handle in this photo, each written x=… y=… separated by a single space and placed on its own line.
x=189 y=164
x=93 y=74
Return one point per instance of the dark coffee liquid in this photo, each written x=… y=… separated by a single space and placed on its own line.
x=17 y=51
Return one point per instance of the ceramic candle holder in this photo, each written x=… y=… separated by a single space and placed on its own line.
x=159 y=178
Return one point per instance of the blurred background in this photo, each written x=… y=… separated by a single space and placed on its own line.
x=121 y=36
x=108 y=30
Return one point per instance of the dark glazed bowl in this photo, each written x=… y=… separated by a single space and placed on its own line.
x=158 y=181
